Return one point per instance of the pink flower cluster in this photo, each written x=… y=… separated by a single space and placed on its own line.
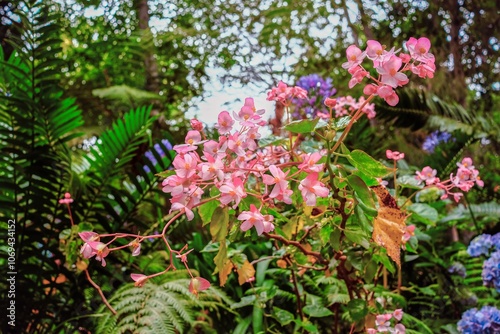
x=389 y=66
x=284 y=94
x=394 y=155
x=346 y=105
x=229 y=163
x=383 y=323
x=93 y=247
x=466 y=177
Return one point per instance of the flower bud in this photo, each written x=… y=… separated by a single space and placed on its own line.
x=196 y=124
x=330 y=103
x=330 y=135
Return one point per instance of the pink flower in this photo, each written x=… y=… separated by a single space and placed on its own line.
x=280 y=93
x=225 y=122
x=388 y=94
x=383 y=322
x=252 y=218
x=193 y=138
x=182 y=208
x=136 y=247
x=185 y=165
x=354 y=57
x=398 y=314
x=399 y=329
x=100 y=250
x=394 y=155
x=309 y=162
x=278 y=179
x=466 y=163
x=139 y=279
x=248 y=115
x=212 y=168
x=374 y=51
x=87 y=237
x=175 y=185
x=196 y=124
x=67 y=199
x=236 y=144
x=428 y=175
x=299 y=93
x=419 y=49
x=198 y=284
x=358 y=74
x=389 y=72
x=232 y=191
x=311 y=187
x=371 y=331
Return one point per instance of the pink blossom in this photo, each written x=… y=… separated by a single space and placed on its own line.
x=389 y=70
x=280 y=93
x=278 y=178
x=398 y=314
x=370 y=89
x=358 y=74
x=225 y=122
x=212 y=168
x=87 y=237
x=193 y=138
x=354 y=57
x=182 y=208
x=466 y=163
x=252 y=218
x=67 y=199
x=175 y=185
x=394 y=155
x=139 y=279
x=136 y=247
x=374 y=51
x=428 y=175
x=198 y=284
x=371 y=331
x=236 y=144
x=419 y=49
x=100 y=250
x=299 y=93
x=232 y=191
x=185 y=165
x=388 y=94
x=399 y=329
x=311 y=187
x=309 y=162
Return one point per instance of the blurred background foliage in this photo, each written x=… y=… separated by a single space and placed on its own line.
x=90 y=90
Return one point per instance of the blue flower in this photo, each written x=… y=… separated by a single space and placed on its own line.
x=458 y=268
x=480 y=245
x=318 y=89
x=495 y=240
x=434 y=139
x=491 y=271
x=483 y=321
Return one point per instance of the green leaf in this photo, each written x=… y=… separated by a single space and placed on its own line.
x=206 y=211
x=245 y=301
x=284 y=317
x=302 y=126
x=335 y=239
x=409 y=181
x=221 y=258
x=325 y=233
x=358 y=237
x=366 y=164
x=362 y=193
x=317 y=311
x=357 y=309
x=341 y=123
x=384 y=259
x=219 y=223
x=424 y=213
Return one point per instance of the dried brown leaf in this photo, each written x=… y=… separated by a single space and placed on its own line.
x=389 y=225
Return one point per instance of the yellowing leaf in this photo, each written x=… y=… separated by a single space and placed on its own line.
x=245 y=272
x=224 y=273
x=389 y=225
x=219 y=223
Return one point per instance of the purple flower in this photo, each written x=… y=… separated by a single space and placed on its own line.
x=318 y=89
x=483 y=321
x=458 y=268
x=491 y=271
x=151 y=157
x=434 y=139
x=480 y=245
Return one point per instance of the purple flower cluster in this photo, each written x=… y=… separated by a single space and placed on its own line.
x=318 y=89
x=151 y=157
x=491 y=271
x=434 y=139
x=458 y=269
x=483 y=321
x=480 y=245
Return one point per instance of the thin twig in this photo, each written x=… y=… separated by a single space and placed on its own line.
x=98 y=288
